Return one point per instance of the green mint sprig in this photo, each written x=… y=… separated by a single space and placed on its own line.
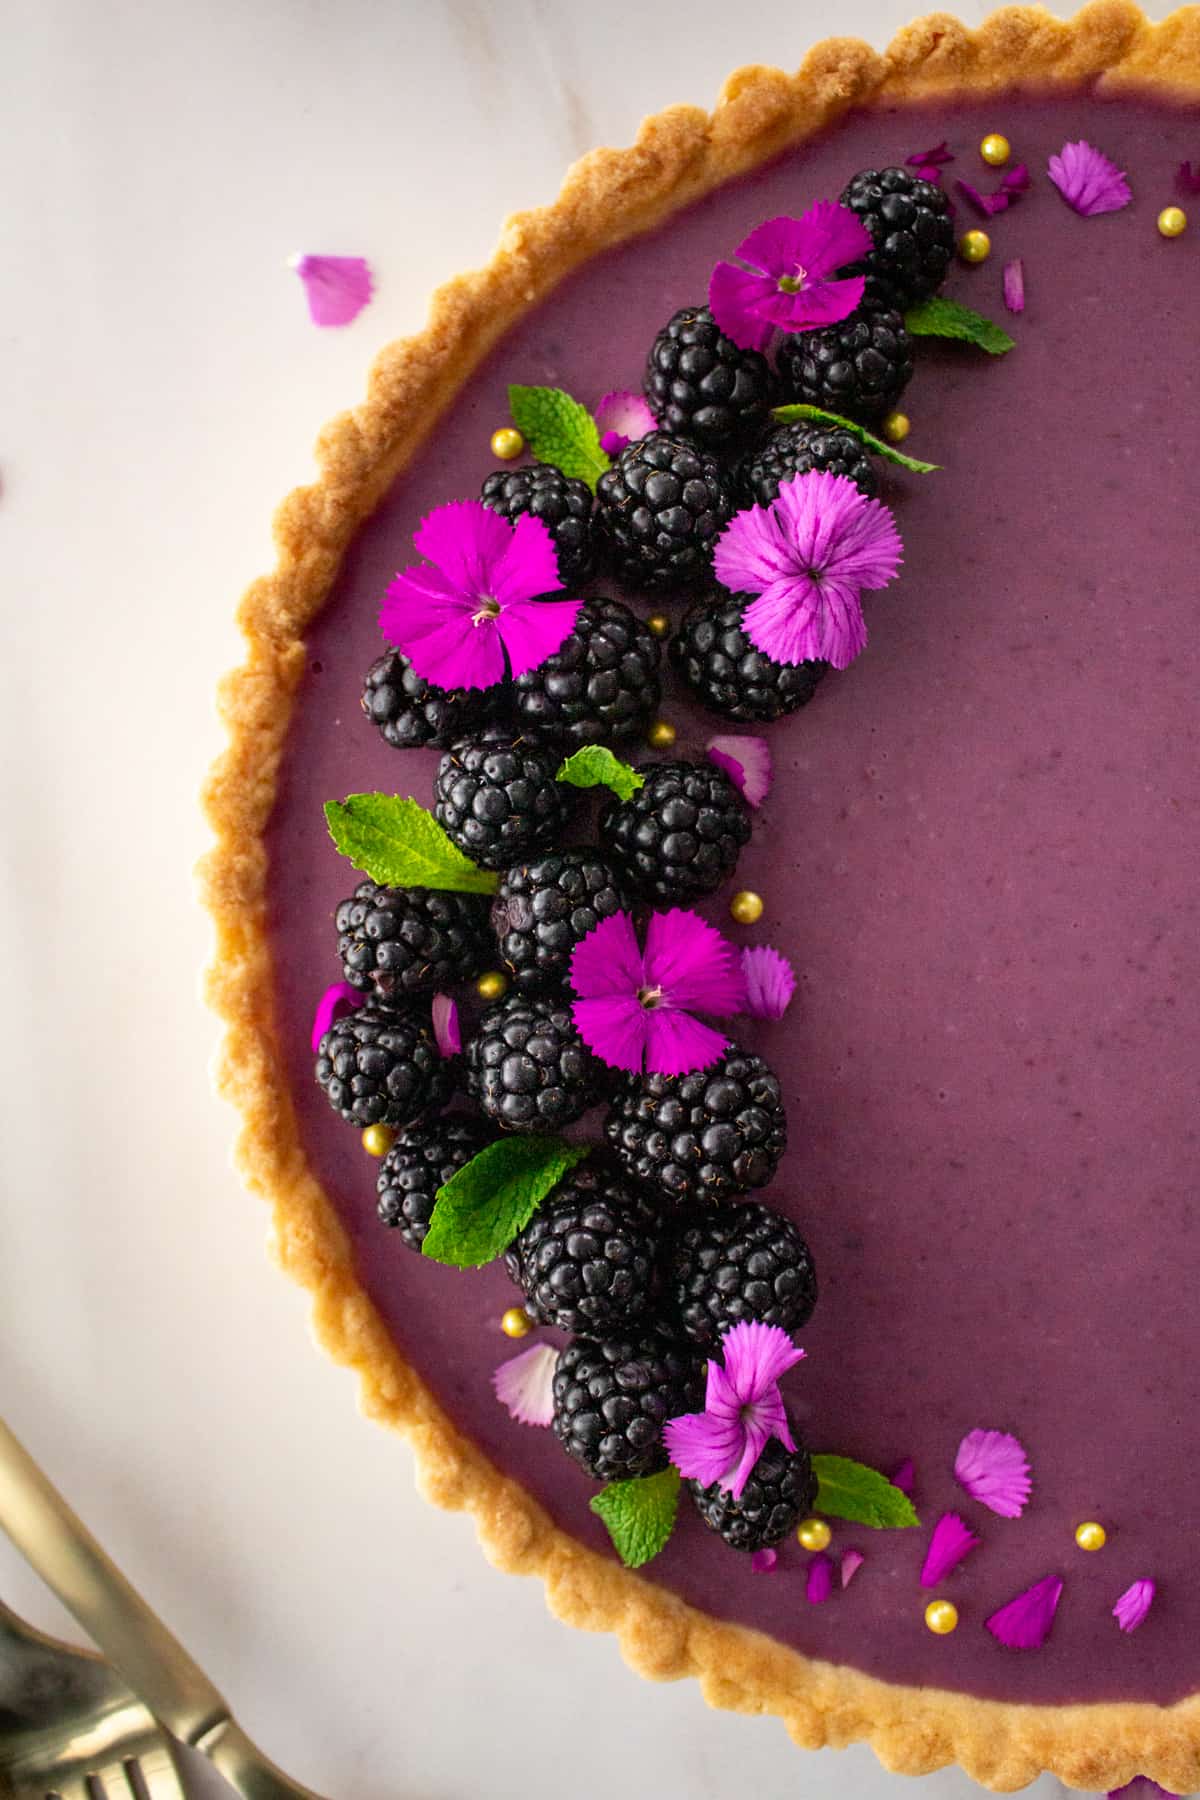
x=596 y=766
x=639 y=1514
x=559 y=431
x=849 y=1490
x=483 y=1206
x=791 y=415
x=398 y=844
x=947 y=319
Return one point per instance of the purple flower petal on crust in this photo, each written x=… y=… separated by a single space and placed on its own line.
x=852 y=1562
x=1024 y=1624
x=1088 y=180
x=949 y=1542
x=904 y=1476
x=1141 y=1788
x=525 y=1385
x=763 y=1561
x=1014 y=285
x=338 y=999
x=747 y=762
x=819 y=1585
x=446 y=1031
x=336 y=287
x=994 y=1469
x=770 y=981
x=621 y=417
x=1133 y=1605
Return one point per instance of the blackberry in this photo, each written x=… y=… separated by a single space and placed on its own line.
x=410 y=713
x=586 y=1260
x=781 y=1490
x=420 y=1161
x=528 y=1067
x=599 y=686
x=701 y=1136
x=795 y=450
x=611 y=1401
x=858 y=367
x=497 y=798
x=701 y=384
x=397 y=941
x=659 y=510
x=679 y=835
x=543 y=908
x=562 y=504
x=729 y=674
x=741 y=1263
x=911 y=230
x=379 y=1066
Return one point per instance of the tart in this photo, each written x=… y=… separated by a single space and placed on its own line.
x=974 y=855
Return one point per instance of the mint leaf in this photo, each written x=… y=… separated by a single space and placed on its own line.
x=849 y=1490
x=594 y=766
x=947 y=319
x=789 y=415
x=398 y=844
x=639 y=1514
x=560 y=431
x=484 y=1204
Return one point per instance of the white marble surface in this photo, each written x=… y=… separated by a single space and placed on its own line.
x=159 y=388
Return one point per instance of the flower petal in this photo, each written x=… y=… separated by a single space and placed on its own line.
x=607 y=960
x=994 y=1469
x=615 y=1027
x=904 y=1476
x=734 y=298
x=1014 y=285
x=763 y=1561
x=949 y=1542
x=838 y=531
x=465 y=539
x=622 y=416
x=1024 y=1624
x=677 y=1044
x=823 y=239
x=770 y=981
x=528 y=566
x=930 y=158
x=1088 y=180
x=457 y=653
x=747 y=762
x=336 y=287
x=693 y=963
x=795 y=622
x=447 y=1033
x=338 y=999
x=755 y=1357
x=525 y=1385
x=1133 y=1605
x=752 y=551
x=703 y=1447
x=1141 y=1788
x=818 y=302
x=852 y=1562
x=532 y=630
x=818 y=1586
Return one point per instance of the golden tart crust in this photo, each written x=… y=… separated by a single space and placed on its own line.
x=608 y=196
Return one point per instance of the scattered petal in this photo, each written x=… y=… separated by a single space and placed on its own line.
x=949 y=1542
x=1141 y=1788
x=1014 y=285
x=1088 y=180
x=336 y=287
x=747 y=762
x=994 y=1469
x=763 y=1561
x=336 y=1000
x=525 y=1385
x=621 y=417
x=1187 y=180
x=819 y=1585
x=770 y=981
x=791 y=275
x=446 y=1031
x=633 y=1007
x=743 y=1409
x=1134 y=1604
x=930 y=159
x=852 y=1562
x=1024 y=1624
x=904 y=1476
x=1013 y=183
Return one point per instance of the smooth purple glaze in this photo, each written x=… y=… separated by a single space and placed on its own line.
x=981 y=854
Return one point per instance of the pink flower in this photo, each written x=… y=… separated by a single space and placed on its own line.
x=994 y=1469
x=621 y=417
x=770 y=981
x=1088 y=180
x=336 y=287
x=747 y=762
x=1024 y=1624
x=338 y=999
x=632 y=1008
x=1133 y=1605
x=949 y=1541
x=786 y=282
x=1014 y=285
x=809 y=556
x=743 y=1410
x=525 y=1385
x=459 y=620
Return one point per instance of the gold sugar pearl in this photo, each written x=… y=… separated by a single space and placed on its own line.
x=941 y=1616
x=995 y=149
x=1172 y=220
x=516 y=1323
x=895 y=427
x=814 y=1534
x=507 y=443
x=974 y=246
x=659 y=624
x=1091 y=1535
x=377 y=1140
x=492 y=986
x=661 y=735
x=746 y=907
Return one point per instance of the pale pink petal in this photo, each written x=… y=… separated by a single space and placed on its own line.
x=949 y=1542
x=615 y=1028
x=446 y=1031
x=1024 y=1624
x=336 y=1000
x=702 y=1447
x=819 y=1585
x=904 y=1476
x=528 y=565
x=1014 y=285
x=336 y=287
x=1088 y=180
x=756 y=1355
x=525 y=1385
x=770 y=981
x=994 y=1469
x=533 y=630
x=793 y=622
x=1133 y=1605
x=817 y=303
x=693 y=964
x=607 y=960
x=747 y=762
x=677 y=1044
x=621 y=417
x=733 y=298
x=465 y=539
x=852 y=1562
x=763 y=1561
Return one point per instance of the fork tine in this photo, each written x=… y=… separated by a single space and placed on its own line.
x=159 y=1775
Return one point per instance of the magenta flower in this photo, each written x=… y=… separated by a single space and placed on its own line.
x=809 y=556
x=1024 y=1624
x=743 y=1410
x=994 y=1469
x=336 y=287
x=621 y=417
x=788 y=281
x=1088 y=180
x=473 y=605
x=633 y=1005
